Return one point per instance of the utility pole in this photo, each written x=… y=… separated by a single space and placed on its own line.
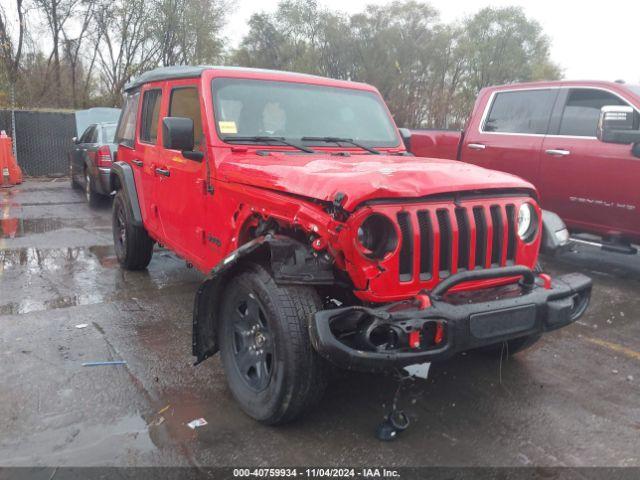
x=13 y=120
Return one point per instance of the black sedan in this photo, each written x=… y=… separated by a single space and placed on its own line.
x=90 y=161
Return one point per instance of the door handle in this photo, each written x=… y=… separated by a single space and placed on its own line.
x=137 y=163
x=476 y=146
x=163 y=172
x=559 y=152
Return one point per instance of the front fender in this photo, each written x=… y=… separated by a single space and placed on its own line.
x=289 y=262
x=555 y=236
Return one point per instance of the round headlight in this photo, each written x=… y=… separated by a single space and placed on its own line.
x=527 y=222
x=377 y=236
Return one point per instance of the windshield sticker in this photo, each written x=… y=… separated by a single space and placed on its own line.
x=227 y=127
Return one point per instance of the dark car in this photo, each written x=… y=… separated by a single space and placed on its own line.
x=90 y=161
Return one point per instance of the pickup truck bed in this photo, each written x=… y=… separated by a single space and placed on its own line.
x=436 y=143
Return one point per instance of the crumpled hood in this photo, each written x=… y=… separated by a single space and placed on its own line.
x=361 y=177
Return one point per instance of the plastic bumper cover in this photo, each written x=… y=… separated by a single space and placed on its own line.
x=364 y=338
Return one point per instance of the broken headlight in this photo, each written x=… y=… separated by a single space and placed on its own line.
x=377 y=236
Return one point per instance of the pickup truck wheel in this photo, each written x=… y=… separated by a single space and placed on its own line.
x=132 y=244
x=511 y=347
x=271 y=368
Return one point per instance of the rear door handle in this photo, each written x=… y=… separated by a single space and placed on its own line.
x=559 y=152
x=137 y=163
x=476 y=146
x=163 y=172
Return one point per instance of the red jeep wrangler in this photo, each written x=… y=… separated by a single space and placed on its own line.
x=321 y=237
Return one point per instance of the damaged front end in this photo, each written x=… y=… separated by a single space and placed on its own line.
x=439 y=325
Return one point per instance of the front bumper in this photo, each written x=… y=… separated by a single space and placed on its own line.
x=444 y=324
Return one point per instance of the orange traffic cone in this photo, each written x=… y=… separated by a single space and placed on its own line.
x=10 y=173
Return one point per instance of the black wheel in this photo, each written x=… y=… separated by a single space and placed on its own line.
x=511 y=347
x=74 y=184
x=133 y=245
x=93 y=198
x=271 y=367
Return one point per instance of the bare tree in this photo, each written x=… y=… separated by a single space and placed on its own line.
x=124 y=44
x=57 y=13
x=188 y=31
x=10 y=51
x=73 y=49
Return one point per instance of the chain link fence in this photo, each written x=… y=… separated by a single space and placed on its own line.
x=42 y=140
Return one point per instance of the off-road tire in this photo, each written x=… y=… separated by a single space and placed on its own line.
x=94 y=199
x=135 y=248
x=511 y=347
x=297 y=376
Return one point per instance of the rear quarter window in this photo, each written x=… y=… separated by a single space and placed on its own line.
x=523 y=111
x=126 y=131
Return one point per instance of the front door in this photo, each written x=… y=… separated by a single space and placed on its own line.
x=590 y=184
x=509 y=136
x=146 y=157
x=181 y=181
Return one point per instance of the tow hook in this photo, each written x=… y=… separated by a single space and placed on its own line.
x=396 y=422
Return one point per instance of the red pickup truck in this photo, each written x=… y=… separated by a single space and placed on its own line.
x=547 y=133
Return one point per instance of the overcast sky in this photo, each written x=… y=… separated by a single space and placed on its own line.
x=590 y=40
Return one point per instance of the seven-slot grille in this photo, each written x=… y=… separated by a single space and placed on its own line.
x=437 y=242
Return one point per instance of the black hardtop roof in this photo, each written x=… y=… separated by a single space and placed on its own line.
x=187 y=71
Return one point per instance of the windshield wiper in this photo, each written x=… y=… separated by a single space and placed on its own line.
x=339 y=140
x=266 y=139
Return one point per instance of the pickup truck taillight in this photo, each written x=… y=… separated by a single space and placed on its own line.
x=103 y=157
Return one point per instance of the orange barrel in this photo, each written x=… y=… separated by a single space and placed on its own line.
x=10 y=173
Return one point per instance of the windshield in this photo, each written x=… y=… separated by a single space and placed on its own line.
x=250 y=108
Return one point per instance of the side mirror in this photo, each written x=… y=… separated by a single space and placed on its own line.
x=405 y=133
x=616 y=125
x=177 y=133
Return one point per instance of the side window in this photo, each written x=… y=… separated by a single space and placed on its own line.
x=86 y=135
x=185 y=102
x=93 y=138
x=582 y=111
x=525 y=111
x=150 y=113
x=126 y=130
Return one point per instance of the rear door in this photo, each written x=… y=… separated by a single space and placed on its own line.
x=590 y=184
x=181 y=181
x=78 y=153
x=90 y=148
x=509 y=135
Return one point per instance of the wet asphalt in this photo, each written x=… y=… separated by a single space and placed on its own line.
x=572 y=400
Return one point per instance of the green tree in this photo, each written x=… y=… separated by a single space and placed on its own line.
x=428 y=72
x=500 y=46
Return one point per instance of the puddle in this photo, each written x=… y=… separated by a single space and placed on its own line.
x=39 y=279
x=34 y=305
x=18 y=227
